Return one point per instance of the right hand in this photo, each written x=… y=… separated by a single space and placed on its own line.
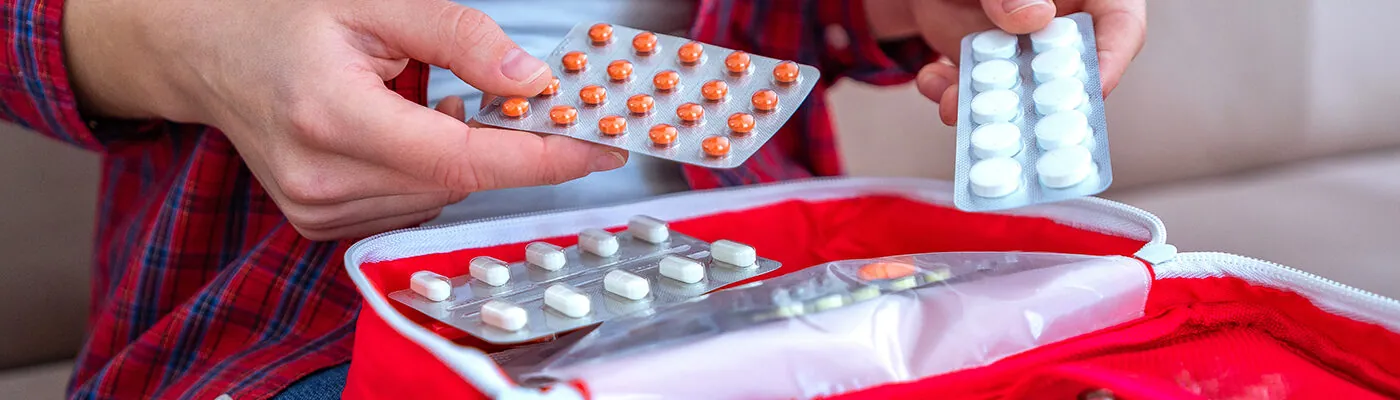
x=298 y=88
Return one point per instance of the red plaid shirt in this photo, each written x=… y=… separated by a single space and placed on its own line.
x=201 y=287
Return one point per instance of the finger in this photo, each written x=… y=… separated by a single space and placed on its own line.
x=1120 y=28
x=370 y=228
x=341 y=215
x=458 y=38
x=935 y=78
x=453 y=106
x=1019 y=16
x=948 y=107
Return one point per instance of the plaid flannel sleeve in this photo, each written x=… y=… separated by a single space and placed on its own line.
x=833 y=35
x=34 y=88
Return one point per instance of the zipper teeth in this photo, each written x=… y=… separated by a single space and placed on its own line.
x=1236 y=260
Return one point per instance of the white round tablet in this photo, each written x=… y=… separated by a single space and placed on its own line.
x=995 y=106
x=1064 y=167
x=1059 y=95
x=993 y=75
x=1062 y=129
x=1000 y=139
x=1060 y=32
x=993 y=44
x=995 y=177
x=1062 y=62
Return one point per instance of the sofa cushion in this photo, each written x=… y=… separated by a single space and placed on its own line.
x=46 y=381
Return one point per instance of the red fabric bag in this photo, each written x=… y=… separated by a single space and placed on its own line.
x=1213 y=325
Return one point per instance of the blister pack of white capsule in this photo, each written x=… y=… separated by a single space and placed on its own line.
x=1031 y=123
x=659 y=95
x=554 y=289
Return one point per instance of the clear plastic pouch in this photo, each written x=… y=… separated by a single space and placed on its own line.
x=824 y=330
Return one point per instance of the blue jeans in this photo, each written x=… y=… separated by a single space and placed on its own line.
x=326 y=384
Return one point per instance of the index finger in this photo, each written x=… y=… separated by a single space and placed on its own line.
x=1120 y=28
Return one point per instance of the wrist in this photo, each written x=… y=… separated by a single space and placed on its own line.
x=891 y=19
x=108 y=75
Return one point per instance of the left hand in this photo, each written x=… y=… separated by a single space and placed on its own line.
x=1120 y=27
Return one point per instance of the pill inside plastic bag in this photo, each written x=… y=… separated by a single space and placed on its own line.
x=844 y=326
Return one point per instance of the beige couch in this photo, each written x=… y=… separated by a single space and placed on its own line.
x=1263 y=127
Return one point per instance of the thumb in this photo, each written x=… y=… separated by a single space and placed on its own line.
x=460 y=39
x=1019 y=16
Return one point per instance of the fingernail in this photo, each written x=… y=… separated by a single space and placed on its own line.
x=520 y=66
x=1014 y=6
x=608 y=161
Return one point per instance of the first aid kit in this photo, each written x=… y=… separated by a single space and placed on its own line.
x=554 y=289
x=886 y=290
x=1031 y=124
x=659 y=95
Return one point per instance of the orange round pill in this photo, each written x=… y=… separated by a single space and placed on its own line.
x=690 y=53
x=765 y=100
x=600 y=33
x=741 y=123
x=879 y=271
x=666 y=80
x=612 y=125
x=574 y=61
x=644 y=43
x=690 y=112
x=620 y=70
x=515 y=107
x=737 y=62
x=552 y=89
x=716 y=146
x=640 y=104
x=714 y=90
x=785 y=72
x=663 y=135
x=593 y=95
x=563 y=115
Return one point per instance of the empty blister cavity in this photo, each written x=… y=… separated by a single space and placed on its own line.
x=545 y=255
x=567 y=301
x=1062 y=129
x=503 y=315
x=626 y=285
x=1062 y=62
x=733 y=253
x=682 y=269
x=995 y=106
x=490 y=271
x=999 y=139
x=1060 y=32
x=1065 y=167
x=1060 y=95
x=995 y=74
x=995 y=177
x=598 y=242
x=993 y=44
x=430 y=285
x=648 y=229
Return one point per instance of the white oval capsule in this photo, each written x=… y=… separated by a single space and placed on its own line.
x=1063 y=62
x=999 y=139
x=995 y=177
x=503 y=315
x=733 y=253
x=430 y=285
x=1060 y=32
x=490 y=271
x=1065 y=167
x=567 y=300
x=648 y=229
x=545 y=255
x=682 y=269
x=995 y=106
x=994 y=74
x=993 y=44
x=1062 y=129
x=1060 y=95
x=598 y=242
x=626 y=284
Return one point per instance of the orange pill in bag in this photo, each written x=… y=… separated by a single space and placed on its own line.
x=714 y=90
x=690 y=112
x=737 y=62
x=666 y=80
x=741 y=123
x=765 y=100
x=663 y=135
x=786 y=72
x=690 y=53
x=644 y=43
x=552 y=89
x=515 y=107
x=715 y=146
x=620 y=70
x=640 y=104
x=574 y=61
x=593 y=95
x=879 y=271
x=600 y=33
x=612 y=125
x=563 y=115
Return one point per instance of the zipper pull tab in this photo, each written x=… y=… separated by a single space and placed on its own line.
x=1156 y=253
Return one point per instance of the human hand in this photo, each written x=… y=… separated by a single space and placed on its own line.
x=1120 y=27
x=298 y=88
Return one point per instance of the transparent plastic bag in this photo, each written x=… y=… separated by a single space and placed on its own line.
x=824 y=330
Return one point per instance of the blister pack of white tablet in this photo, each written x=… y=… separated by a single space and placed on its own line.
x=556 y=289
x=1031 y=123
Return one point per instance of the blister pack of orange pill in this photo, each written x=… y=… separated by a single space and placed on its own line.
x=659 y=95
